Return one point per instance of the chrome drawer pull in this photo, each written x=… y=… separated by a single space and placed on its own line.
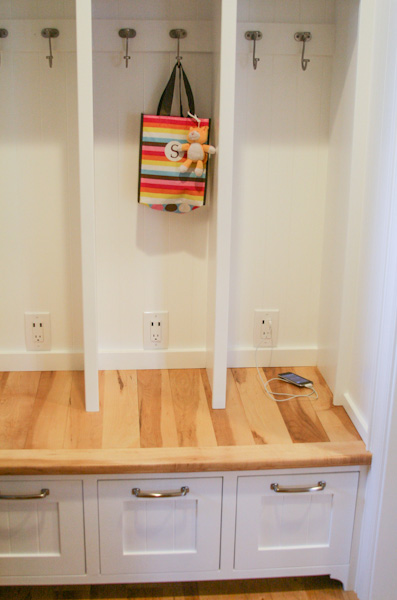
x=42 y=494
x=182 y=492
x=297 y=490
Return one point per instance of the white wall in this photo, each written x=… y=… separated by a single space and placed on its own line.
x=39 y=236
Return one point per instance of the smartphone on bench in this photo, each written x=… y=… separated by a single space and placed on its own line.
x=295 y=379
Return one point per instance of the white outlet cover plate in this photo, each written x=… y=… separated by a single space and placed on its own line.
x=148 y=317
x=259 y=316
x=44 y=317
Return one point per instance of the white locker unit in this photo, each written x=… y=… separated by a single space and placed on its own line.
x=296 y=221
x=294 y=520
x=177 y=529
x=41 y=528
x=292 y=187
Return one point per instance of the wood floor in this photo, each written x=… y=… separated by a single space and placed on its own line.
x=299 y=588
x=162 y=409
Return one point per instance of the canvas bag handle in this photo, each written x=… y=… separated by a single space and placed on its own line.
x=165 y=104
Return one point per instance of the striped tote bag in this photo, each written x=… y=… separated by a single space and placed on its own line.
x=161 y=184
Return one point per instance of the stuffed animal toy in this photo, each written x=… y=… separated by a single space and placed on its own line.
x=197 y=150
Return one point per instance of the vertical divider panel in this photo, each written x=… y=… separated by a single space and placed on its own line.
x=220 y=219
x=87 y=199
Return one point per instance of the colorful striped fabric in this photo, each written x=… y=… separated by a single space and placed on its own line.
x=161 y=185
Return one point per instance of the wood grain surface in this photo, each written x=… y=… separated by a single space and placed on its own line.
x=162 y=419
x=295 y=588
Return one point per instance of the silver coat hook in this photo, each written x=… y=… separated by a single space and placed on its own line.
x=3 y=34
x=254 y=36
x=303 y=36
x=178 y=34
x=49 y=33
x=127 y=33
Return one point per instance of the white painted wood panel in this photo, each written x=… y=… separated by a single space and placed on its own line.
x=161 y=534
x=87 y=202
x=42 y=537
x=279 y=39
x=146 y=260
x=280 y=174
x=344 y=102
x=287 y=11
x=275 y=530
x=37 y=9
x=189 y=10
x=153 y=36
x=166 y=526
x=220 y=216
x=40 y=521
x=39 y=247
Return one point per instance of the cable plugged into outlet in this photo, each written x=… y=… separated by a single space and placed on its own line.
x=155 y=330
x=265 y=328
x=38 y=331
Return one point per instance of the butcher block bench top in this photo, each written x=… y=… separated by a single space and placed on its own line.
x=161 y=421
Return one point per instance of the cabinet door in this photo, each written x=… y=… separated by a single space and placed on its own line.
x=291 y=528
x=160 y=534
x=43 y=536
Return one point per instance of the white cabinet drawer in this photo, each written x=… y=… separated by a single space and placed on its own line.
x=43 y=536
x=162 y=534
x=294 y=529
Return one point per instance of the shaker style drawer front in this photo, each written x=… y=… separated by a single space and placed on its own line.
x=160 y=525
x=294 y=520
x=41 y=528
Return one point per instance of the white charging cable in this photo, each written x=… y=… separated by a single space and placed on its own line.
x=286 y=395
x=271 y=394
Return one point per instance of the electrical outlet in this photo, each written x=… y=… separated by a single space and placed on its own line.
x=265 y=328
x=38 y=331
x=155 y=330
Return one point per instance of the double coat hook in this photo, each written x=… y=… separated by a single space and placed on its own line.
x=127 y=34
x=49 y=33
x=254 y=36
x=303 y=36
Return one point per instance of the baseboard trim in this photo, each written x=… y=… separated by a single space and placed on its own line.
x=41 y=361
x=357 y=417
x=273 y=357
x=153 y=359
x=195 y=358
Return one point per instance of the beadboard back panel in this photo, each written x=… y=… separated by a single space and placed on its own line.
x=153 y=261
x=37 y=9
x=287 y=11
x=281 y=128
x=39 y=236
x=147 y=261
